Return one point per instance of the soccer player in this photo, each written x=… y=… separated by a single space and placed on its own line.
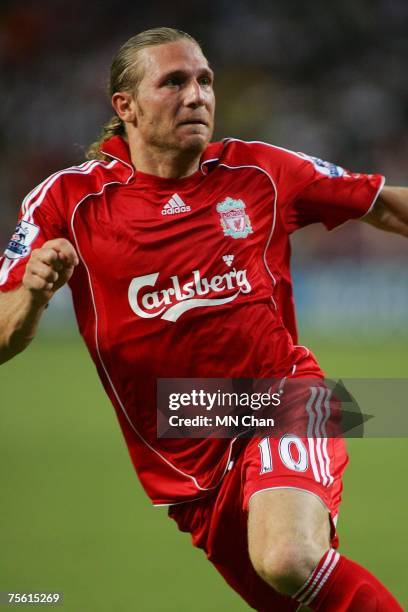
x=177 y=254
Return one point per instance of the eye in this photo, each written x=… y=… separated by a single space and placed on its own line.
x=173 y=81
x=205 y=81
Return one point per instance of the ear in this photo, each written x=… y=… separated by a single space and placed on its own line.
x=124 y=105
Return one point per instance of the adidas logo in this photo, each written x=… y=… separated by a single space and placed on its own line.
x=175 y=205
x=228 y=259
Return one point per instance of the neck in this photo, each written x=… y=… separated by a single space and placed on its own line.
x=163 y=163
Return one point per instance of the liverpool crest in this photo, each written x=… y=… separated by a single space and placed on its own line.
x=234 y=220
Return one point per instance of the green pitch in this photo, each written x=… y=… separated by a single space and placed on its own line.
x=74 y=518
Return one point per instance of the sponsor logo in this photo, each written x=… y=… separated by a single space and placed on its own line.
x=21 y=241
x=177 y=298
x=234 y=220
x=325 y=167
x=175 y=206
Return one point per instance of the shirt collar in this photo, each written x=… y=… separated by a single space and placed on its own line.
x=117 y=148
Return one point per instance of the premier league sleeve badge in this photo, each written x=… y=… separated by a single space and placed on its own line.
x=21 y=240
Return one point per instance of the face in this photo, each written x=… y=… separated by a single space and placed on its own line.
x=174 y=102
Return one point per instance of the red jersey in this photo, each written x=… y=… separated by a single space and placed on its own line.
x=185 y=278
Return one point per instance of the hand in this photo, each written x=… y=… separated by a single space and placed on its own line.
x=49 y=268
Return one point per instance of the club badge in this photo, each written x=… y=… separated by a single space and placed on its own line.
x=234 y=220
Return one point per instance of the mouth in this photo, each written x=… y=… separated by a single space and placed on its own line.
x=194 y=122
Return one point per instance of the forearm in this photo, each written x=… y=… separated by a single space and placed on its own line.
x=390 y=212
x=47 y=270
x=20 y=313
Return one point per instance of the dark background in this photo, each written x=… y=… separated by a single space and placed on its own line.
x=326 y=80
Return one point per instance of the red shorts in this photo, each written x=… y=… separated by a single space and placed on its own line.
x=218 y=522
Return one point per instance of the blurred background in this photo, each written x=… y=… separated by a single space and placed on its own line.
x=324 y=78
x=328 y=81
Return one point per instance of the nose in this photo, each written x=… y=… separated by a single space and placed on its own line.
x=194 y=95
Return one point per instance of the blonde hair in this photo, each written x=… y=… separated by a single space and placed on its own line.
x=126 y=73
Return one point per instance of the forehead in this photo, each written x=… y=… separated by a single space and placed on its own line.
x=181 y=55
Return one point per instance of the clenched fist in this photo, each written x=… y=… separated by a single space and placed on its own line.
x=49 y=268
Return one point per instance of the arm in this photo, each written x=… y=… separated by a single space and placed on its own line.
x=47 y=270
x=390 y=211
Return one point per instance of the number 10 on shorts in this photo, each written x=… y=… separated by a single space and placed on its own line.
x=291 y=450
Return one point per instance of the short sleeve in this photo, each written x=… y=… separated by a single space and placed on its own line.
x=310 y=190
x=39 y=220
x=323 y=192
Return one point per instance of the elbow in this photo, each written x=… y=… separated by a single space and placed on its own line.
x=384 y=219
x=390 y=211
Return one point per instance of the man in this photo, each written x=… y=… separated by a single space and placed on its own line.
x=177 y=254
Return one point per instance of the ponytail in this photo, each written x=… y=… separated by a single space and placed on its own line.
x=113 y=127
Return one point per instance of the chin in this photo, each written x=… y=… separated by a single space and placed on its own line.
x=195 y=143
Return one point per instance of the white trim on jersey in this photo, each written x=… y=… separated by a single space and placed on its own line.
x=185 y=501
x=5 y=268
x=36 y=197
x=30 y=206
x=230 y=139
x=208 y=161
x=38 y=188
x=275 y=202
x=370 y=208
x=303 y=347
x=306 y=159
x=374 y=200
x=300 y=156
x=115 y=392
x=268 y=144
x=130 y=166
